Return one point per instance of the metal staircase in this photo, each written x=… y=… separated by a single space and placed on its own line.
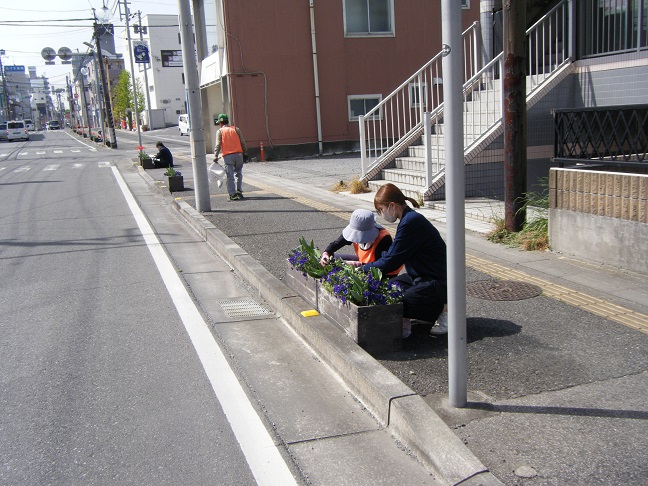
x=401 y=139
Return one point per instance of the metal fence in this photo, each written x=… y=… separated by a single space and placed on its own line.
x=608 y=135
x=612 y=26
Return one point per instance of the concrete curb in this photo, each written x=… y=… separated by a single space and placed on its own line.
x=393 y=403
x=396 y=406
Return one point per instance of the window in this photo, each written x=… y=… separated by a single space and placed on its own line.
x=363 y=104
x=414 y=95
x=368 y=17
x=465 y=4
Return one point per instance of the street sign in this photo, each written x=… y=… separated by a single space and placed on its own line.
x=141 y=52
x=48 y=54
x=14 y=69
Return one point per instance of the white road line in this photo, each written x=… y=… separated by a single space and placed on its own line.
x=40 y=153
x=82 y=143
x=2 y=168
x=104 y=164
x=76 y=150
x=261 y=454
x=58 y=151
x=22 y=169
x=77 y=166
x=3 y=155
x=23 y=153
x=52 y=167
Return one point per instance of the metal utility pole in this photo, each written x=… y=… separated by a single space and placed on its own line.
x=515 y=137
x=146 y=87
x=197 y=133
x=4 y=86
x=132 y=64
x=104 y=84
x=455 y=197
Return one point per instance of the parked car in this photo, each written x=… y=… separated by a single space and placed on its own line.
x=183 y=125
x=29 y=124
x=16 y=130
x=53 y=125
x=3 y=130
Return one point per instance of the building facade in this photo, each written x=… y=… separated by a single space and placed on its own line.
x=163 y=83
x=295 y=76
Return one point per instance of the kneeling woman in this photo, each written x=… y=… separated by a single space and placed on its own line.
x=419 y=246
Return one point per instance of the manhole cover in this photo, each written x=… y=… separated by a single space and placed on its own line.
x=502 y=290
x=243 y=308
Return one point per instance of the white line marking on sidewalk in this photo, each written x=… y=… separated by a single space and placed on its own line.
x=261 y=454
x=52 y=167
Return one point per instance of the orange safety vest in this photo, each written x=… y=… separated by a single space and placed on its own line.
x=230 y=141
x=368 y=256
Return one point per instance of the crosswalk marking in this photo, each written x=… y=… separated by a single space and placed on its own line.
x=104 y=164
x=22 y=169
x=2 y=168
x=23 y=153
x=77 y=166
x=40 y=153
x=76 y=151
x=58 y=151
x=3 y=155
x=52 y=167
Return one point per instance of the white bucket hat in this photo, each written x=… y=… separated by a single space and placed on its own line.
x=362 y=227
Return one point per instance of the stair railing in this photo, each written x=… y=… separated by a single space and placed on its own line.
x=397 y=120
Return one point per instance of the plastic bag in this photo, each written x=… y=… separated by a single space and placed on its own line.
x=216 y=174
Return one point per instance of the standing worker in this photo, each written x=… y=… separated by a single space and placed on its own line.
x=232 y=144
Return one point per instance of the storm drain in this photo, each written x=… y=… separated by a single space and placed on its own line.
x=243 y=308
x=502 y=290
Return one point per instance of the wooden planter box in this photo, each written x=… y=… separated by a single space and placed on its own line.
x=147 y=163
x=175 y=183
x=378 y=329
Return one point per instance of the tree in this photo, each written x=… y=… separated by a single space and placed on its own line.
x=122 y=96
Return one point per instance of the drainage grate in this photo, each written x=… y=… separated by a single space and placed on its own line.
x=502 y=290
x=243 y=308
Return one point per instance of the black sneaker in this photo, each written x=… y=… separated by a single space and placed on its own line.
x=235 y=197
x=239 y=194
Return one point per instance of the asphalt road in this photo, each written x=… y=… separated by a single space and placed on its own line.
x=99 y=383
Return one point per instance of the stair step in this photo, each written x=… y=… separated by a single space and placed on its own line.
x=407 y=189
x=410 y=163
x=403 y=176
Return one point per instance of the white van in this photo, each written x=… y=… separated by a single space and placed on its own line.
x=29 y=124
x=183 y=125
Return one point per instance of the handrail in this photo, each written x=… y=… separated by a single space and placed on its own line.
x=401 y=112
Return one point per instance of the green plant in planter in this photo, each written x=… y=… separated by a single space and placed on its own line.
x=142 y=155
x=347 y=283
x=171 y=172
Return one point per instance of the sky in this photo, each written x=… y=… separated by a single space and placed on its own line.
x=36 y=24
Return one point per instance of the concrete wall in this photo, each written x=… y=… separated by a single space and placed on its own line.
x=601 y=214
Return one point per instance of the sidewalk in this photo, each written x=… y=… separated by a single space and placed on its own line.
x=557 y=383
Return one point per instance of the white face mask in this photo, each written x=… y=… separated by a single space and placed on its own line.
x=365 y=246
x=388 y=216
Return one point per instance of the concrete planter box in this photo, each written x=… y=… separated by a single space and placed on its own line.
x=376 y=328
x=175 y=183
x=306 y=287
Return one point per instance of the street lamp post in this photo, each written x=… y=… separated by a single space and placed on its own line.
x=4 y=85
x=102 y=71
